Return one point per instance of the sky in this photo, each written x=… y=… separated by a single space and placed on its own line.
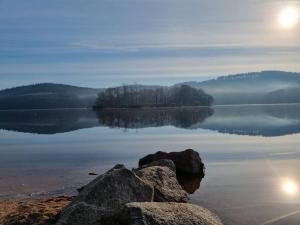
x=100 y=43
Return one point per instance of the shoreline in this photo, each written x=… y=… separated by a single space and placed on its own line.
x=160 y=183
x=157 y=107
x=36 y=211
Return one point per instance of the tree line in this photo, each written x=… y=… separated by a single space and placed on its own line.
x=140 y=96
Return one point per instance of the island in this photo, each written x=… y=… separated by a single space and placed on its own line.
x=138 y=96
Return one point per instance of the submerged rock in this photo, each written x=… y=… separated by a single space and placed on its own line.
x=186 y=162
x=189 y=182
x=101 y=201
x=164 y=181
x=154 y=213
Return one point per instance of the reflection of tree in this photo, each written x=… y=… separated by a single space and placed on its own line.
x=59 y=121
x=140 y=118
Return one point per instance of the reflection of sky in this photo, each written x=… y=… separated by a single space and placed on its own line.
x=244 y=180
x=245 y=193
x=268 y=120
x=243 y=173
x=166 y=137
x=104 y=144
x=102 y=43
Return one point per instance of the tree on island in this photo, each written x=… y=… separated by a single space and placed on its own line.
x=135 y=96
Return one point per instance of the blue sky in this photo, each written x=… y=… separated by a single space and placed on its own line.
x=101 y=43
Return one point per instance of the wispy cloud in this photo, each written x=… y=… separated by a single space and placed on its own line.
x=120 y=41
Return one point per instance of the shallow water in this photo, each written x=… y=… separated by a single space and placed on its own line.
x=251 y=153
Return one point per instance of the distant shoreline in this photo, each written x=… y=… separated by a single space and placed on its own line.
x=267 y=104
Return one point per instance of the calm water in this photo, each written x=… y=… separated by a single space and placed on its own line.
x=251 y=153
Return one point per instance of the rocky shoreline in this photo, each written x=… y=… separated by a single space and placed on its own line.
x=149 y=195
x=32 y=211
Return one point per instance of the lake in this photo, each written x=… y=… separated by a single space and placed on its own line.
x=251 y=153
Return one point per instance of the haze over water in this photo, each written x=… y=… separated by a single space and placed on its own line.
x=251 y=153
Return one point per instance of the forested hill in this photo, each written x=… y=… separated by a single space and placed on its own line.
x=253 y=88
x=47 y=96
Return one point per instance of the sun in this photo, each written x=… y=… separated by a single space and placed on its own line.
x=289 y=187
x=288 y=17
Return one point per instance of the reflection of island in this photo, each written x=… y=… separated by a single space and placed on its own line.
x=153 y=117
x=67 y=120
x=268 y=120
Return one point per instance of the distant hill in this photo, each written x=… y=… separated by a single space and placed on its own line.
x=288 y=95
x=253 y=88
x=267 y=87
x=47 y=96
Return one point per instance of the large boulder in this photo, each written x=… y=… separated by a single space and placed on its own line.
x=101 y=201
x=187 y=161
x=162 y=213
x=81 y=213
x=164 y=181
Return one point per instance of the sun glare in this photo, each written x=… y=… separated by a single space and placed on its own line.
x=288 y=17
x=290 y=187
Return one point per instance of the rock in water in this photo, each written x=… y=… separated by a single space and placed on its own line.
x=187 y=161
x=92 y=174
x=164 y=181
x=189 y=182
x=101 y=201
x=162 y=213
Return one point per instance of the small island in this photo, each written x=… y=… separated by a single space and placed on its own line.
x=138 y=96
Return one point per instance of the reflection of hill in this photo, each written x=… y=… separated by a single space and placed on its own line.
x=47 y=121
x=140 y=118
x=271 y=120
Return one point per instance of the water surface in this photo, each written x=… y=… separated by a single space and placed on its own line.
x=251 y=153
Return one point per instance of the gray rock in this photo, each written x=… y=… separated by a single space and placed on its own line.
x=161 y=162
x=81 y=213
x=100 y=201
x=161 y=213
x=164 y=181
